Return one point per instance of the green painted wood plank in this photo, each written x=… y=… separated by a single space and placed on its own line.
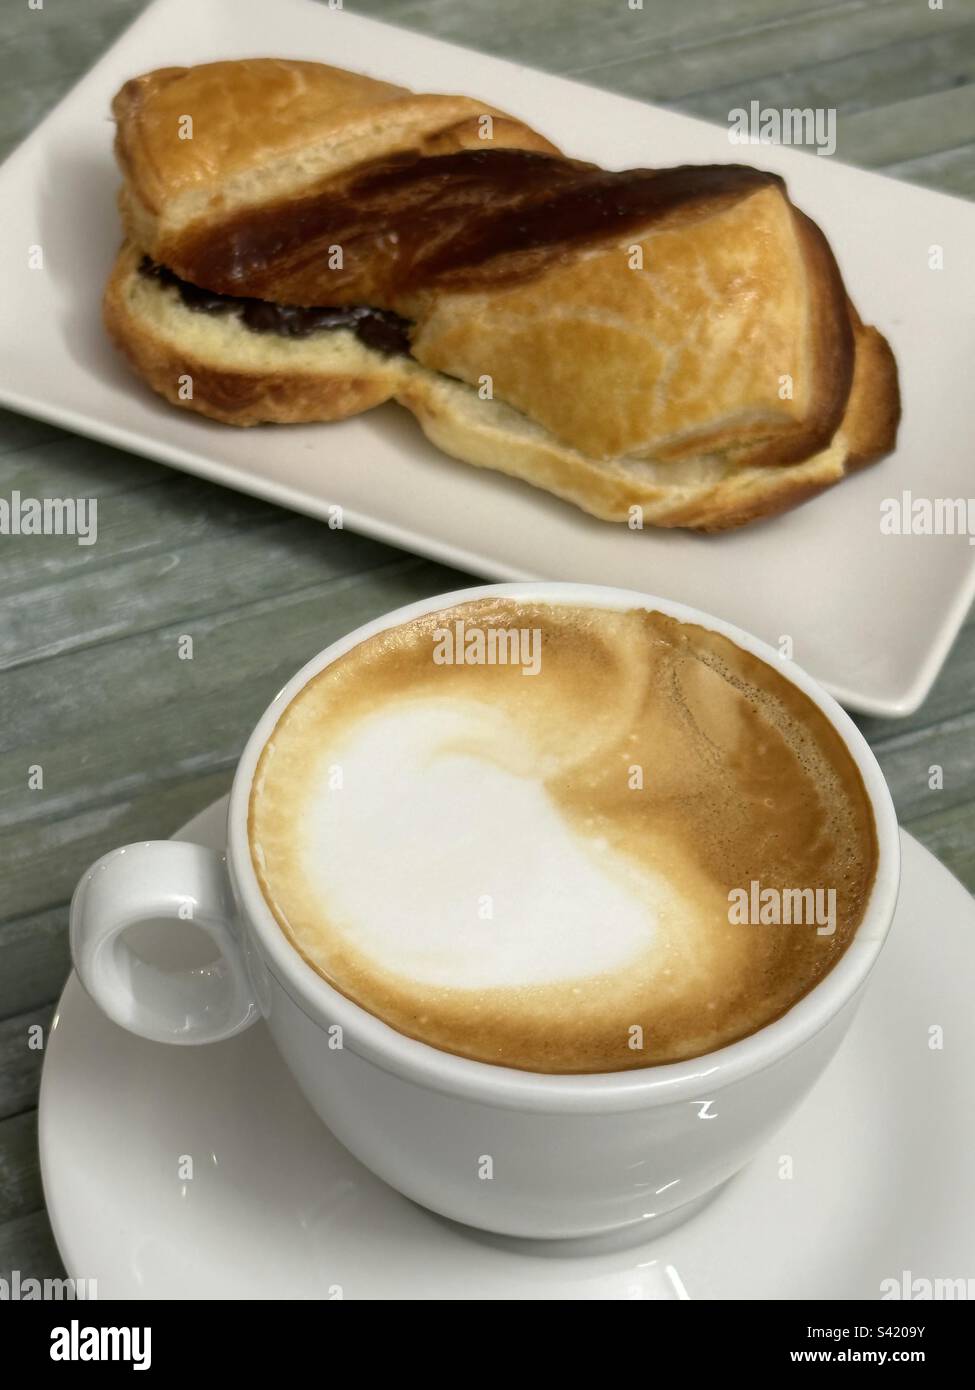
x=69 y=465
x=248 y=648
x=176 y=512
x=34 y=960
x=157 y=527
x=909 y=129
x=559 y=35
x=20 y=1063
x=20 y=1173
x=853 y=82
x=950 y=171
x=177 y=585
x=27 y=1244
x=45 y=862
x=183 y=738
x=23 y=432
x=910 y=762
x=785 y=47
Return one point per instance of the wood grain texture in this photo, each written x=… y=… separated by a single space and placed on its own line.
x=21 y=1058
x=27 y=1244
x=132 y=740
x=20 y=1177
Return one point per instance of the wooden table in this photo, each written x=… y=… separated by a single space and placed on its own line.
x=132 y=740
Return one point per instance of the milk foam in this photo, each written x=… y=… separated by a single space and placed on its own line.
x=536 y=871
x=444 y=866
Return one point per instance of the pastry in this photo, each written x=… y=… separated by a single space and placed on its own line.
x=303 y=243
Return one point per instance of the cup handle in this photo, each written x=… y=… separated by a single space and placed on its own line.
x=161 y=880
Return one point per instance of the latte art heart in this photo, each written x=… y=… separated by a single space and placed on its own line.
x=497 y=889
x=536 y=871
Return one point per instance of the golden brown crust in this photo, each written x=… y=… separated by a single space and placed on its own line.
x=221 y=136
x=613 y=388
x=868 y=431
x=241 y=113
x=829 y=361
x=739 y=292
x=708 y=494
x=685 y=357
x=874 y=412
x=238 y=378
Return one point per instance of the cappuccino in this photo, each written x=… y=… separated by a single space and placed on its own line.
x=546 y=861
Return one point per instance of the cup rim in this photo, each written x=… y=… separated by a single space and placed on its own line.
x=368 y=1036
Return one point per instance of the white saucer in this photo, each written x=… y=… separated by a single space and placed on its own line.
x=276 y=1208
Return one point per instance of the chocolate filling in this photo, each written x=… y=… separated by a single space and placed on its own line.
x=379 y=329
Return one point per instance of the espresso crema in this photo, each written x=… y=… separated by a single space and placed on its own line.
x=562 y=838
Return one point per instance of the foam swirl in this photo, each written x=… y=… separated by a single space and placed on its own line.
x=534 y=869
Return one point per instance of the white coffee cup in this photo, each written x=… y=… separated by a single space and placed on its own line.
x=513 y=1152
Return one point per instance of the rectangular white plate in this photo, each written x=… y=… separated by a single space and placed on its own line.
x=871 y=615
